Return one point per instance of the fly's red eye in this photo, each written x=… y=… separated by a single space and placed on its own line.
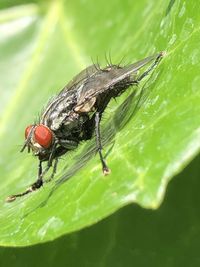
x=27 y=130
x=43 y=136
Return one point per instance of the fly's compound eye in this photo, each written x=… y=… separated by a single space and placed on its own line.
x=43 y=136
x=27 y=130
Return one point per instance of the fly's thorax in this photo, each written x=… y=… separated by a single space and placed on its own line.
x=59 y=110
x=72 y=128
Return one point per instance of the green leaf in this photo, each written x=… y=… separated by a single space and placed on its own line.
x=166 y=237
x=148 y=139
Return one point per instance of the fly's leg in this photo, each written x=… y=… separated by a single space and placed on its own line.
x=49 y=164
x=105 y=168
x=68 y=144
x=41 y=173
x=156 y=62
x=54 y=171
x=32 y=188
x=39 y=181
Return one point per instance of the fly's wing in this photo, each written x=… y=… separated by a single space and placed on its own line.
x=79 y=79
x=107 y=78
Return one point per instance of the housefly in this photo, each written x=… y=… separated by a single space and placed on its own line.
x=74 y=114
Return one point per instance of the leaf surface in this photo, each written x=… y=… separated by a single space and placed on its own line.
x=148 y=138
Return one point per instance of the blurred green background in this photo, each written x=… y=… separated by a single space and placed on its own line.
x=43 y=44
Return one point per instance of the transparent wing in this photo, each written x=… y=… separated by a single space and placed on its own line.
x=79 y=78
x=109 y=77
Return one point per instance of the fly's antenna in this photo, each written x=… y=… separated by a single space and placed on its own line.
x=28 y=140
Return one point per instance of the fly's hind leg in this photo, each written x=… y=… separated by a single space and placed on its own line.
x=155 y=63
x=105 y=168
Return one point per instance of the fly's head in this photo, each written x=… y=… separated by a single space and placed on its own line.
x=39 y=139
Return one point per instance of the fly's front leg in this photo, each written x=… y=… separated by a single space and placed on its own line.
x=69 y=145
x=49 y=163
x=156 y=62
x=32 y=188
x=53 y=172
x=105 y=168
x=39 y=181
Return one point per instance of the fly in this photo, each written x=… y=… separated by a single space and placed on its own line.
x=75 y=113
